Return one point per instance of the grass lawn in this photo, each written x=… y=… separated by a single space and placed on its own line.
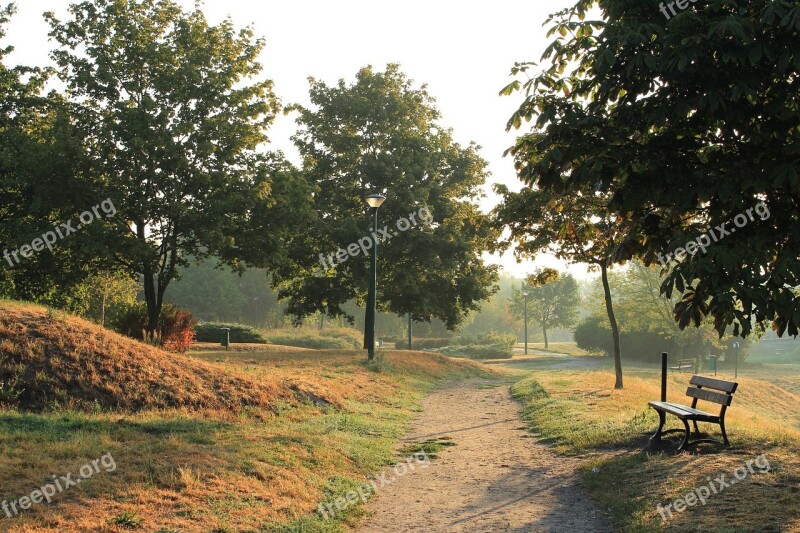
x=259 y=470
x=578 y=412
x=566 y=348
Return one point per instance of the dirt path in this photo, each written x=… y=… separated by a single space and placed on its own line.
x=496 y=478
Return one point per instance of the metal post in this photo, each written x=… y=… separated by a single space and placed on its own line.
x=369 y=337
x=526 y=322
x=664 y=376
x=409 y=331
x=736 y=359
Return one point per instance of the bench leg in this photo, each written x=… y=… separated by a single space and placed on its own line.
x=686 y=437
x=662 y=418
x=696 y=430
x=724 y=434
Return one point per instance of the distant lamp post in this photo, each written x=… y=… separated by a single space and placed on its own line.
x=736 y=360
x=525 y=293
x=374 y=201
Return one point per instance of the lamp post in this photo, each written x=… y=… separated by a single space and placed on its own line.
x=374 y=201
x=736 y=360
x=525 y=293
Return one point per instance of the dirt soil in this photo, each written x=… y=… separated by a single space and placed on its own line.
x=497 y=477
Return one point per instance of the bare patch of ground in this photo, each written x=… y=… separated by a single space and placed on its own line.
x=495 y=478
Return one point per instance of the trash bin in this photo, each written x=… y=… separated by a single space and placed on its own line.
x=225 y=338
x=712 y=364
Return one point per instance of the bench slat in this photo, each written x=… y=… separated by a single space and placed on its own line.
x=712 y=383
x=684 y=411
x=709 y=396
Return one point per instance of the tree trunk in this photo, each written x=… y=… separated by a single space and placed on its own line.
x=152 y=300
x=544 y=332
x=106 y=283
x=613 y=322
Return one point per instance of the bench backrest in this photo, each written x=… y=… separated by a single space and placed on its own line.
x=703 y=388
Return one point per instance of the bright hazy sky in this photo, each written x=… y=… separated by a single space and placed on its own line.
x=462 y=50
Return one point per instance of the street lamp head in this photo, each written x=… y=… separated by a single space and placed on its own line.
x=525 y=292
x=375 y=200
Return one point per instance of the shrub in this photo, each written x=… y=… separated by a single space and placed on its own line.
x=490 y=345
x=317 y=342
x=492 y=337
x=175 y=326
x=479 y=351
x=428 y=344
x=355 y=337
x=240 y=333
x=593 y=336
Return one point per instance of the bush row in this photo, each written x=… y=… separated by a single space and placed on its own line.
x=240 y=333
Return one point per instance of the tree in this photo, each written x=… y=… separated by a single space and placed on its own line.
x=647 y=322
x=687 y=124
x=173 y=122
x=577 y=227
x=553 y=300
x=39 y=153
x=108 y=293
x=218 y=294
x=380 y=134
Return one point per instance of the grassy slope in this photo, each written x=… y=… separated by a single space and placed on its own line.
x=332 y=421
x=579 y=412
x=53 y=360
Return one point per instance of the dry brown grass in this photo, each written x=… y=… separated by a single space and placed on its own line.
x=580 y=412
x=316 y=424
x=53 y=360
x=244 y=347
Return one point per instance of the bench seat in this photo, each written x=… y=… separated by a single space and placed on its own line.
x=684 y=412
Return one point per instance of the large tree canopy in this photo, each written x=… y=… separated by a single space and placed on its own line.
x=173 y=121
x=685 y=123
x=39 y=153
x=380 y=134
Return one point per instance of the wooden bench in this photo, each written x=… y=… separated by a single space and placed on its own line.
x=700 y=388
x=684 y=364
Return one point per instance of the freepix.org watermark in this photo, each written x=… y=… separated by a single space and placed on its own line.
x=715 y=486
x=331 y=509
x=63 y=230
x=58 y=485
x=716 y=234
x=682 y=5
x=364 y=244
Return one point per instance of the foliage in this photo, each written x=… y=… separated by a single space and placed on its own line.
x=495 y=314
x=592 y=335
x=381 y=134
x=107 y=294
x=553 y=300
x=491 y=337
x=349 y=334
x=683 y=125
x=215 y=293
x=478 y=351
x=172 y=121
x=491 y=345
x=421 y=343
x=175 y=326
x=314 y=341
x=648 y=327
x=240 y=333
x=39 y=153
